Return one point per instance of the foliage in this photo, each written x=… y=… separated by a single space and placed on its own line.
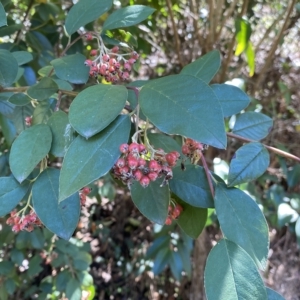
x=139 y=144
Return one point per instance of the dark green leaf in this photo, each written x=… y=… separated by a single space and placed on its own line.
x=158 y=243
x=17 y=256
x=19 y=99
x=230 y=273
x=152 y=201
x=11 y=193
x=293 y=176
x=22 y=57
x=62 y=133
x=253 y=125
x=62 y=279
x=45 y=71
x=272 y=295
x=63 y=85
x=191 y=186
x=84 y=12
x=127 y=16
x=185 y=105
x=96 y=107
x=43 y=90
x=6 y=267
x=3 y=20
x=10 y=29
x=8 y=68
x=8 y=130
x=18 y=116
x=231 y=98
x=87 y=160
x=10 y=286
x=205 y=67
x=162 y=258
x=82 y=260
x=192 y=220
x=34 y=266
x=72 y=68
x=29 y=148
x=242 y=222
x=60 y=218
x=5 y=96
x=248 y=163
x=42 y=112
x=165 y=142
x=176 y=265
x=73 y=290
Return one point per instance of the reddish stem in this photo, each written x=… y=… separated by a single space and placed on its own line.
x=208 y=176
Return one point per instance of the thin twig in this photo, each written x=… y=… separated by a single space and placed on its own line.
x=177 y=41
x=275 y=150
x=207 y=173
x=275 y=44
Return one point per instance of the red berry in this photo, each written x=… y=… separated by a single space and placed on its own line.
x=153 y=176
x=137 y=174
x=88 y=62
x=144 y=181
x=142 y=162
x=185 y=150
x=171 y=159
x=134 y=55
x=115 y=49
x=131 y=61
x=120 y=162
x=93 y=52
x=168 y=221
x=153 y=165
x=124 y=148
x=198 y=146
x=112 y=62
x=127 y=67
x=134 y=148
x=117 y=65
x=124 y=170
x=125 y=75
x=105 y=57
x=142 y=149
x=28 y=121
x=132 y=162
x=88 y=36
x=86 y=190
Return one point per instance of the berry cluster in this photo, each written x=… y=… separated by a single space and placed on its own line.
x=83 y=193
x=133 y=165
x=26 y=222
x=109 y=63
x=193 y=150
x=174 y=213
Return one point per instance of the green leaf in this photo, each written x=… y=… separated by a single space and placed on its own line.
x=19 y=99
x=248 y=163
x=152 y=201
x=73 y=290
x=10 y=29
x=72 y=68
x=60 y=218
x=29 y=148
x=8 y=68
x=22 y=57
x=191 y=186
x=88 y=160
x=62 y=279
x=62 y=133
x=11 y=193
x=43 y=89
x=63 y=85
x=165 y=142
x=272 y=295
x=242 y=35
x=3 y=19
x=162 y=258
x=185 y=105
x=84 y=12
x=127 y=16
x=96 y=107
x=231 y=98
x=250 y=55
x=293 y=176
x=42 y=113
x=6 y=267
x=19 y=115
x=242 y=222
x=205 y=67
x=253 y=125
x=230 y=273
x=8 y=130
x=192 y=219
x=10 y=286
x=176 y=265
x=45 y=71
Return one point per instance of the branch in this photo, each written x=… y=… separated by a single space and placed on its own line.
x=275 y=150
x=211 y=187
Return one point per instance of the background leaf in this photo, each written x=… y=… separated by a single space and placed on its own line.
x=242 y=222
x=43 y=89
x=96 y=157
x=272 y=295
x=248 y=163
x=19 y=99
x=252 y=125
x=163 y=141
x=230 y=273
x=18 y=116
x=29 y=148
x=42 y=112
x=175 y=95
x=71 y=67
x=22 y=57
x=11 y=193
x=127 y=16
x=84 y=12
x=3 y=20
x=62 y=133
x=8 y=68
x=231 y=98
x=205 y=67
x=152 y=201
x=191 y=186
x=243 y=33
x=96 y=107
x=60 y=218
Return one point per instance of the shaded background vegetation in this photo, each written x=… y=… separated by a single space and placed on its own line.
x=260 y=46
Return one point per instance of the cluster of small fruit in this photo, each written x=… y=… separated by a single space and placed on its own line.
x=83 y=193
x=133 y=165
x=26 y=222
x=193 y=150
x=173 y=213
x=109 y=63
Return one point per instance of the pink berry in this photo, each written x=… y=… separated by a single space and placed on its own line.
x=127 y=67
x=120 y=162
x=124 y=170
x=153 y=176
x=131 y=61
x=124 y=148
x=112 y=62
x=88 y=62
x=134 y=148
x=144 y=181
x=88 y=36
x=115 y=49
x=168 y=221
x=93 y=52
x=142 y=149
x=142 y=162
x=105 y=57
x=137 y=174
x=185 y=150
x=132 y=162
